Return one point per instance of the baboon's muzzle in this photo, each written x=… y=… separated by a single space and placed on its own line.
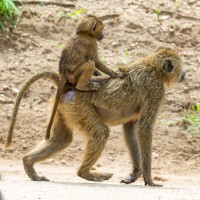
x=182 y=77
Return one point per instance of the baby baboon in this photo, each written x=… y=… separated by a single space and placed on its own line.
x=79 y=59
x=133 y=101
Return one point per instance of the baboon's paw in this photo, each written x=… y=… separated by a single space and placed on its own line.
x=43 y=178
x=97 y=177
x=39 y=178
x=152 y=184
x=102 y=176
x=132 y=177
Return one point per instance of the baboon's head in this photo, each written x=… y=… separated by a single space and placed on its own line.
x=91 y=25
x=170 y=64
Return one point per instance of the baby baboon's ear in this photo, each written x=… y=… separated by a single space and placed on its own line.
x=168 y=66
x=94 y=26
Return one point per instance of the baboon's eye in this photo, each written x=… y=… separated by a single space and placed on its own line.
x=168 y=66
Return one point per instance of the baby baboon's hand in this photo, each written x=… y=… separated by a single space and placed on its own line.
x=120 y=75
x=117 y=75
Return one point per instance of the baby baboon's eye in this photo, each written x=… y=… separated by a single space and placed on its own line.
x=168 y=66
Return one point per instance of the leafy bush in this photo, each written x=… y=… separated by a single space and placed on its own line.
x=9 y=14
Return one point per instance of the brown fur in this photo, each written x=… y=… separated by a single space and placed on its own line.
x=79 y=59
x=133 y=101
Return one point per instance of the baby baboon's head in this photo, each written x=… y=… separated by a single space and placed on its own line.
x=91 y=25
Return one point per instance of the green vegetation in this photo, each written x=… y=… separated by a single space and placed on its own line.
x=127 y=54
x=9 y=14
x=177 y=2
x=191 y=119
x=74 y=15
x=157 y=11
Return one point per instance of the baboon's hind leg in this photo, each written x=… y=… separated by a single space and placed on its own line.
x=83 y=74
x=58 y=141
x=133 y=147
x=97 y=133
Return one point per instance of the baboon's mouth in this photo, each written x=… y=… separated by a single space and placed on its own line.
x=182 y=76
x=100 y=37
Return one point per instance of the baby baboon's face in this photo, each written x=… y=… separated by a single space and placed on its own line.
x=92 y=26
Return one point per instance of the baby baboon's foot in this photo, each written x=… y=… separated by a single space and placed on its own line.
x=132 y=177
x=97 y=177
x=92 y=86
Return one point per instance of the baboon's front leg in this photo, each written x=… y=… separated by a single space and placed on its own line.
x=132 y=143
x=97 y=139
x=59 y=140
x=145 y=128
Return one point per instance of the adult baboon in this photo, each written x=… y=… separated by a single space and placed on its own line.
x=133 y=101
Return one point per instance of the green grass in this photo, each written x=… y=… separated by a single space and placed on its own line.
x=74 y=15
x=191 y=119
x=9 y=14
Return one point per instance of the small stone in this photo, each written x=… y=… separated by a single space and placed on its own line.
x=21 y=59
x=36 y=109
x=51 y=59
x=110 y=158
x=46 y=51
x=80 y=149
x=5 y=87
x=24 y=146
x=4 y=100
x=63 y=161
x=164 y=17
x=15 y=90
x=133 y=25
x=25 y=34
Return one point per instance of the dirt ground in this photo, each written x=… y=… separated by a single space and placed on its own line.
x=131 y=31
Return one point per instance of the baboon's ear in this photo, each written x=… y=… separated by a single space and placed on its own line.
x=94 y=26
x=168 y=66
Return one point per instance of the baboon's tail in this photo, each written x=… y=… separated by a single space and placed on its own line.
x=51 y=75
